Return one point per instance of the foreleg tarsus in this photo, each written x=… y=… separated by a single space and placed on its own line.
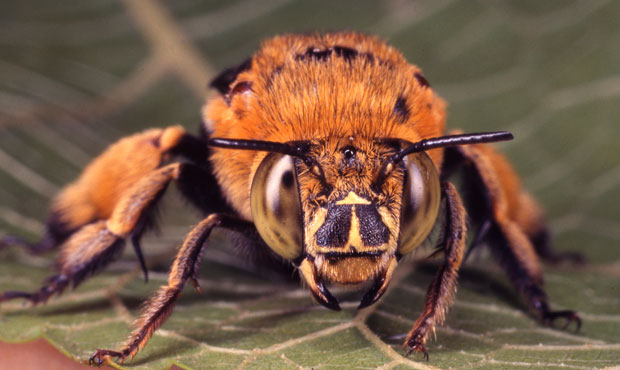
x=159 y=307
x=84 y=253
x=440 y=294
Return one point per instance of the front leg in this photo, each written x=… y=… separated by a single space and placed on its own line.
x=440 y=294
x=159 y=307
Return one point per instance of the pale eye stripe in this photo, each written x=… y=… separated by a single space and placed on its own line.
x=274 y=180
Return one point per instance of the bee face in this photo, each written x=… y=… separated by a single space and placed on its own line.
x=328 y=135
x=351 y=229
x=339 y=215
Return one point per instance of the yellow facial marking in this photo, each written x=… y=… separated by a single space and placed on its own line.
x=352 y=198
x=355 y=239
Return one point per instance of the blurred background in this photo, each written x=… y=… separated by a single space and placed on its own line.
x=77 y=75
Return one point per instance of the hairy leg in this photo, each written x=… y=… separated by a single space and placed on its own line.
x=94 y=245
x=95 y=193
x=185 y=267
x=440 y=294
x=513 y=250
x=514 y=225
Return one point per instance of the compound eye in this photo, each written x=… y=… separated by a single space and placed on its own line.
x=276 y=207
x=421 y=199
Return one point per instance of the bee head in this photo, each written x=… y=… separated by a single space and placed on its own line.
x=345 y=210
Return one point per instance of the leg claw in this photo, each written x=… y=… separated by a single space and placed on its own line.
x=99 y=357
x=569 y=316
x=417 y=347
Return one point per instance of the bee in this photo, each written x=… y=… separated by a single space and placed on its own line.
x=326 y=151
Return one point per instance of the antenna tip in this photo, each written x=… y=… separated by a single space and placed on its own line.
x=505 y=135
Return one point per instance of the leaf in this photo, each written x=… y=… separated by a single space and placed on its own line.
x=77 y=75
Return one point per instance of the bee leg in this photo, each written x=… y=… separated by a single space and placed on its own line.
x=159 y=307
x=493 y=191
x=54 y=236
x=479 y=238
x=53 y=284
x=93 y=246
x=9 y=240
x=514 y=251
x=94 y=195
x=440 y=294
x=145 y=222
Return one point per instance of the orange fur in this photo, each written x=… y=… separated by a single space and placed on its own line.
x=95 y=194
x=129 y=207
x=291 y=100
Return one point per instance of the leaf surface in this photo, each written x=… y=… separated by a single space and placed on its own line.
x=77 y=75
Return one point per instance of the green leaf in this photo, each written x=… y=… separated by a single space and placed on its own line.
x=77 y=75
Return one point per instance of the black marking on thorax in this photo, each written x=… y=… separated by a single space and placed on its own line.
x=347 y=53
x=401 y=110
x=421 y=79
